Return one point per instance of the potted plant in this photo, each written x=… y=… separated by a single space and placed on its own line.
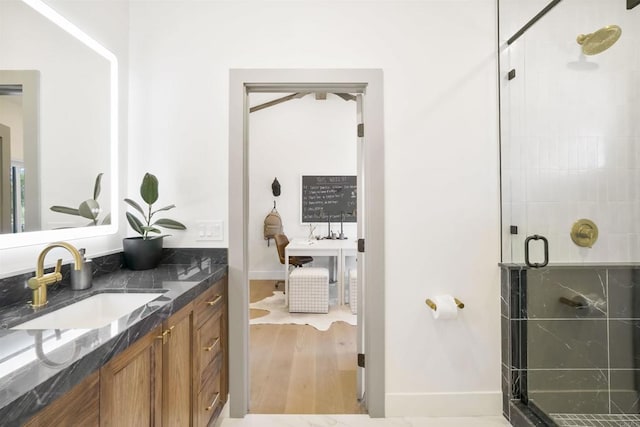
x=89 y=209
x=144 y=252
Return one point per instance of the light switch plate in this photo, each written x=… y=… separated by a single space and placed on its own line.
x=209 y=230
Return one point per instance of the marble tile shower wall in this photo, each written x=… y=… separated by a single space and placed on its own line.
x=575 y=333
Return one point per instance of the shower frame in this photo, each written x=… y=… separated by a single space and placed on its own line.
x=517 y=406
x=535 y=19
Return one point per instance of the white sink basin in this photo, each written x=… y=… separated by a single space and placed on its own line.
x=93 y=312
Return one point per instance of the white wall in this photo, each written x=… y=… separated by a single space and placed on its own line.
x=295 y=138
x=442 y=208
x=108 y=23
x=570 y=136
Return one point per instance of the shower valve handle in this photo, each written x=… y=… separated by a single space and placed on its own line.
x=545 y=242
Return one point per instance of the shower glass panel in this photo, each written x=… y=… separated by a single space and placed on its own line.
x=570 y=168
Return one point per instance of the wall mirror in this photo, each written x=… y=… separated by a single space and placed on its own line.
x=58 y=128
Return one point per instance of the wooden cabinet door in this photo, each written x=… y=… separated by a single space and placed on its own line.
x=79 y=407
x=131 y=385
x=208 y=403
x=177 y=366
x=210 y=354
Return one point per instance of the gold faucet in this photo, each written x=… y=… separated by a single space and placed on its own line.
x=40 y=281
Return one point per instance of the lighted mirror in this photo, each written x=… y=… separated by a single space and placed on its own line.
x=58 y=128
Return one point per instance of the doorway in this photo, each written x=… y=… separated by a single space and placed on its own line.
x=305 y=146
x=369 y=82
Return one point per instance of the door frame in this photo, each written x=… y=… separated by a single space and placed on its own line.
x=30 y=82
x=241 y=83
x=5 y=174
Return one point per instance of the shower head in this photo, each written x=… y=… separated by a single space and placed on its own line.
x=599 y=41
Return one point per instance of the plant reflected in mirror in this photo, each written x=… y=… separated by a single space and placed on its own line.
x=89 y=209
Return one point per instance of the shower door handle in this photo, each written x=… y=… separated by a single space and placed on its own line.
x=545 y=242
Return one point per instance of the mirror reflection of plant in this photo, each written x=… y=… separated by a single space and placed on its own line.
x=149 y=193
x=89 y=209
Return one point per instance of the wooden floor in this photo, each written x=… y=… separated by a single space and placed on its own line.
x=259 y=290
x=296 y=369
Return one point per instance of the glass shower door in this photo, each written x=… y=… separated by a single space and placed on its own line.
x=570 y=167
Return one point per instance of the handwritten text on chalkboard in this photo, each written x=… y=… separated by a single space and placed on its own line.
x=329 y=196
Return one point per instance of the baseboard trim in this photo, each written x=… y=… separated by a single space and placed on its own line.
x=469 y=404
x=266 y=275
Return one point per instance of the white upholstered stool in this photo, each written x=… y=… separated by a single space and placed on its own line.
x=309 y=290
x=353 y=291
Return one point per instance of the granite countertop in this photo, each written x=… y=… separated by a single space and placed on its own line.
x=38 y=366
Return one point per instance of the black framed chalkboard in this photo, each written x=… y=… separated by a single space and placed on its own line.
x=329 y=195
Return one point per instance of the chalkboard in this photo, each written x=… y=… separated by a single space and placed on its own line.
x=324 y=195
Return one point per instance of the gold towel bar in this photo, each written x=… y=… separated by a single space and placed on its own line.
x=432 y=305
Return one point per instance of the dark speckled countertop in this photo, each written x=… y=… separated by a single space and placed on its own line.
x=31 y=379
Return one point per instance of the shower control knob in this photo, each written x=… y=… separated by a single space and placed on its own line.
x=584 y=233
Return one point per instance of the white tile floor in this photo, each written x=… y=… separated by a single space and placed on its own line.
x=254 y=420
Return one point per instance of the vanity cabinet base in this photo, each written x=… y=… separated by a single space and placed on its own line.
x=177 y=375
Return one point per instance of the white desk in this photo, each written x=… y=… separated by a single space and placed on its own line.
x=331 y=248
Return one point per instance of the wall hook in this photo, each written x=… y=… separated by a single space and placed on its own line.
x=275 y=187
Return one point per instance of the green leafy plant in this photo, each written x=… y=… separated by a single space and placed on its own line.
x=89 y=209
x=149 y=193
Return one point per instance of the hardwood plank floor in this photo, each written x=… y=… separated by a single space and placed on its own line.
x=296 y=369
x=259 y=290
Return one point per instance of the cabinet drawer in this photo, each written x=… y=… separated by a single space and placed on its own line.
x=211 y=301
x=209 y=342
x=209 y=402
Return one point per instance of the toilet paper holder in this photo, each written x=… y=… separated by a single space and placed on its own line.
x=432 y=305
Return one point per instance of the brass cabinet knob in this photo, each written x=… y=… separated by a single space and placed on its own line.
x=215 y=300
x=214 y=403
x=164 y=336
x=212 y=345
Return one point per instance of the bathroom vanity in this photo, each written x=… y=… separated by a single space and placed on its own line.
x=164 y=363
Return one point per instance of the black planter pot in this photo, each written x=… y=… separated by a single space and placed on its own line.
x=140 y=254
